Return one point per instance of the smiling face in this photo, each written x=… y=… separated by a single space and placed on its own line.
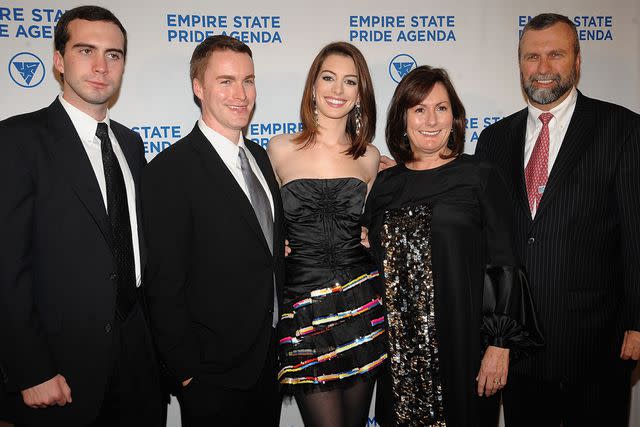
x=227 y=92
x=549 y=65
x=92 y=64
x=336 y=87
x=429 y=124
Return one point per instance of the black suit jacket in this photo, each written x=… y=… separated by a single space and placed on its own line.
x=582 y=250
x=57 y=287
x=210 y=274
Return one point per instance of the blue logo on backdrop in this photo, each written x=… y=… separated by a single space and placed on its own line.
x=588 y=27
x=26 y=69
x=401 y=28
x=475 y=124
x=261 y=133
x=194 y=28
x=36 y=23
x=400 y=66
x=157 y=137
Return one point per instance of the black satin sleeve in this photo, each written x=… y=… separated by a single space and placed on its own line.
x=509 y=317
x=508 y=311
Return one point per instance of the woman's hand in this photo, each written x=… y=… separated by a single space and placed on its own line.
x=364 y=237
x=493 y=371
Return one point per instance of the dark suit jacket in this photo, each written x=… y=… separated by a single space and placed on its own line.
x=582 y=250
x=57 y=287
x=210 y=274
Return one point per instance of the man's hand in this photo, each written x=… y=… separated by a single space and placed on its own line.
x=385 y=163
x=493 y=370
x=630 y=346
x=364 y=237
x=287 y=248
x=52 y=392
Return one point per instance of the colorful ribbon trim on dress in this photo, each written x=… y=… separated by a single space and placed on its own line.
x=331 y=377
x=332 y=290
x=331 y=318
x=332 y=354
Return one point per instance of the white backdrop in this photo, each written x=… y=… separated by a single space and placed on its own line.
x=475 y=41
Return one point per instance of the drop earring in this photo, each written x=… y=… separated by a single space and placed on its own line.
x=315 y=110
x=358 y=116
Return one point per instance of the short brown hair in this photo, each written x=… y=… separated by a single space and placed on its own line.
x=546 y=20
x=411 y=90
x=365 y=92
x=211 y=44
x=88 y=13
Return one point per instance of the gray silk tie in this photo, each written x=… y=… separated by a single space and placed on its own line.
x=262 y=209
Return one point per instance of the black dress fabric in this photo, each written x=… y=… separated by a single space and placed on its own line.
x=332 y=323
x=481 y=296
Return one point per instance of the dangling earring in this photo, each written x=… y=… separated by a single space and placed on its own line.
x=450 y=142
x=315 y=110
x=358 y=116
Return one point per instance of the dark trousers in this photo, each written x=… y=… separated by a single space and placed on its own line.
x=132 y=396
x=532 y=403
x=207 y=405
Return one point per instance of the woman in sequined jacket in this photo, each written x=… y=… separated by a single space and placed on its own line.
x=458 y=305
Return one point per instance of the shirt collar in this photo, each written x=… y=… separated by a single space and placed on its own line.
x=561 y=112
x=84 y=124
x=227 y=149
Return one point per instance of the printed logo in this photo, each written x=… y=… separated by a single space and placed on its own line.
x=26 y=69
x=400 y=66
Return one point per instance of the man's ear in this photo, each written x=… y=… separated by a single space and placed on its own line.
x=197 y=88
x=58 y=62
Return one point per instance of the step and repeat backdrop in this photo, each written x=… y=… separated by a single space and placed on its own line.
x=475 y=41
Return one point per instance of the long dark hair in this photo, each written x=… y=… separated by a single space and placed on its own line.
x=365 y=91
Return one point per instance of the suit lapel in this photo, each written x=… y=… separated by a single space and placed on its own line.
x=68 y=152
x=581 y=127
x=517 y=136
x=226 y=182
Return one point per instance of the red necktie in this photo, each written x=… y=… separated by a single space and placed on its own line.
x=536 y=172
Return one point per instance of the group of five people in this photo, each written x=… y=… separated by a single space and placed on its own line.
x=431 y=277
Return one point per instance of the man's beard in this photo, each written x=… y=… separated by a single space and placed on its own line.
x=544 y=96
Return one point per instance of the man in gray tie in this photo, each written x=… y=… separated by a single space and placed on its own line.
x=214 y=226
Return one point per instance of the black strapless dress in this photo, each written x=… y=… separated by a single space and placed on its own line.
x=332 y=323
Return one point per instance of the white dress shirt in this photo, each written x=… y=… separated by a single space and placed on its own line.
x=86 y=126
x=557 y=127
x=228 y=151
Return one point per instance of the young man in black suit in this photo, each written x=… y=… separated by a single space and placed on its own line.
x=213 y=222
x=76 y=349
x=572 y=164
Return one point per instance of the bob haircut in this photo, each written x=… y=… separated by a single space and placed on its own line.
x=365 y=92
x=411 y=90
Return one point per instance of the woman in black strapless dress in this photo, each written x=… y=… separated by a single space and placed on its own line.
x=332 y=322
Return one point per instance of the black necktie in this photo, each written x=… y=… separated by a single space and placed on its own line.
x=118 y=212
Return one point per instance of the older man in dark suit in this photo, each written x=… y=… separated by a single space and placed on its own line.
x=76 y=349
x=573 y=165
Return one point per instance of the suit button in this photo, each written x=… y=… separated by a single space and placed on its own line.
x=531 y=241
x=107 y=328
x=113 y=276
